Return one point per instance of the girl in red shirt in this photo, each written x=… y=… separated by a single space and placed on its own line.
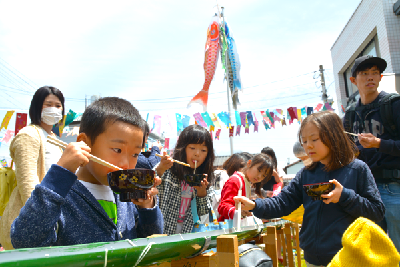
x=257 y=169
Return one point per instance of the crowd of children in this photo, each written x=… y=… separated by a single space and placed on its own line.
x=73 y=203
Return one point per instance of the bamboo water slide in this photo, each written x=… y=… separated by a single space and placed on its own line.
x=136 y=252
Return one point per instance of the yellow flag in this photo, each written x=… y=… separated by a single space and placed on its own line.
x=6 y=119
x=215 y=120
x=62 y=125
x=299 y=115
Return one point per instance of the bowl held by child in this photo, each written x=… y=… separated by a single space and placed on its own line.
x=194 y=179
x=131 y=184
x=316 y=190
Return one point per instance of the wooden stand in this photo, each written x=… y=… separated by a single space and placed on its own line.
x=227 y=254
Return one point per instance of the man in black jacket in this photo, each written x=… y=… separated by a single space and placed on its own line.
x=376 y=120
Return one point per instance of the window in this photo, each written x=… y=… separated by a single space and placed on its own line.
x=370 y=49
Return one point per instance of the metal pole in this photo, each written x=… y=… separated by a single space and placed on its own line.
x=324 y=95
x=227 y=83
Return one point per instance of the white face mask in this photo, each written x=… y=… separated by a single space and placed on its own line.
x=51 y=116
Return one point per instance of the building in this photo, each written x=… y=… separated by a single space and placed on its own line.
x=373 y=29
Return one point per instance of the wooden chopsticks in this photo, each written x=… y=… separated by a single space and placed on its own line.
x=353 y=134
x=53 y=140
x=177 y=161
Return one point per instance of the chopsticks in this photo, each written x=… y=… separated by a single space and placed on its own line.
x=195 y=167
x=353 y=134
x=59 y=143
x=177 y=161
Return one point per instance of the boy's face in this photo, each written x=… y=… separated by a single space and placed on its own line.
x=367 y=81
x=120 y=144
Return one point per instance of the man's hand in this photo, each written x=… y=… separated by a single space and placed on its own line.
x=202 y=189
x=334 y=195
x=247 y=204
x=149 y=202
x=367 y=140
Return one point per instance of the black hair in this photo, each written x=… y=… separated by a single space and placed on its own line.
x=366 y=67
x=35 y=110
x=146 y=132
x=236 y=162
x=270 y=152
x=194 y=134
x=266 y=164
x=108 y=110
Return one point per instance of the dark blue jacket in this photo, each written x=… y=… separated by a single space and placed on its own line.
x=324 y=224
x=62 y=212
x=387 y=156
x=151 y=161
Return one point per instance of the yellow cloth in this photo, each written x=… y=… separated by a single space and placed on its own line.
x=27 y=151
x=296 y=216
x=7 y=185
x=366 y=244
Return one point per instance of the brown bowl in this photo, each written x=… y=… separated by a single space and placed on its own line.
x=194 y=179
x=131 y=184
x=316 y=190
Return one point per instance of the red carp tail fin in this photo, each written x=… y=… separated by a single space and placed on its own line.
x=201 y=98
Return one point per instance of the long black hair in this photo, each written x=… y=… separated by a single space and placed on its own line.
x=194 y=134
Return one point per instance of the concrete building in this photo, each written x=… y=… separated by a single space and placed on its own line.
x=373 y=29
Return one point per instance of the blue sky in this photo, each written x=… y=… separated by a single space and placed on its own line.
x=152 y=53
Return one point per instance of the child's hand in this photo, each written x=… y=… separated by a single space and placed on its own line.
x=247 y=204
x=75 y=155
x=246 y=213
x=149 y=202
x=202 y=189
x=165 y=163
x=334 y=195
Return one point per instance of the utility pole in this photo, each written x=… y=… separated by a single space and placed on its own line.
x=324 y=95
x=227 y=84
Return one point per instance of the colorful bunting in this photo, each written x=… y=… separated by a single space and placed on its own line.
x=318 y=107
x=4 y=163
x=7 y=136
x=238 y=130
x=217 y=134
x=73 y=131
x=20 y=122
x=6 y=119
x=299 y=115
x=231 y=129
x=166 y=143
x=185 y=121
x=179 y=124
x=70 y=117
x=309 y=111
x=157 y=124
x=199 y=119
x=243 y=116
x=207 y=119
x=224 y=117
x=238 y=120
x=215 y=120
x=250 y=118
x=328 y=106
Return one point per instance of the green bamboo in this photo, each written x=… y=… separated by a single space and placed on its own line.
x=123 y=253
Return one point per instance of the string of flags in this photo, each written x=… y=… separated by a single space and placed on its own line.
x=214 y=122
x=21 y=121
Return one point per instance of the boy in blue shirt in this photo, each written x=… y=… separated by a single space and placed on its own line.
x=68 y=209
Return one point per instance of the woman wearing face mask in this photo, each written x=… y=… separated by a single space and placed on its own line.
x=31 y=154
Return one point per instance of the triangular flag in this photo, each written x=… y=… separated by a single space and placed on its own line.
x=238 y=120
x=61 y=126
x=231 y=129
x=6 y=119
x=156 y=124
x=70 y=117
x=318 y=107
x=217 y=134
x=179 y=124
x=185 y=121
x=238 y=130
x=309 y=111
x=250 y=120
x=215 y=120
x=7 y=136
x=328 y=106
x=166 y=143
x=199 y=119
x=207 y=119
x=20 y=122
